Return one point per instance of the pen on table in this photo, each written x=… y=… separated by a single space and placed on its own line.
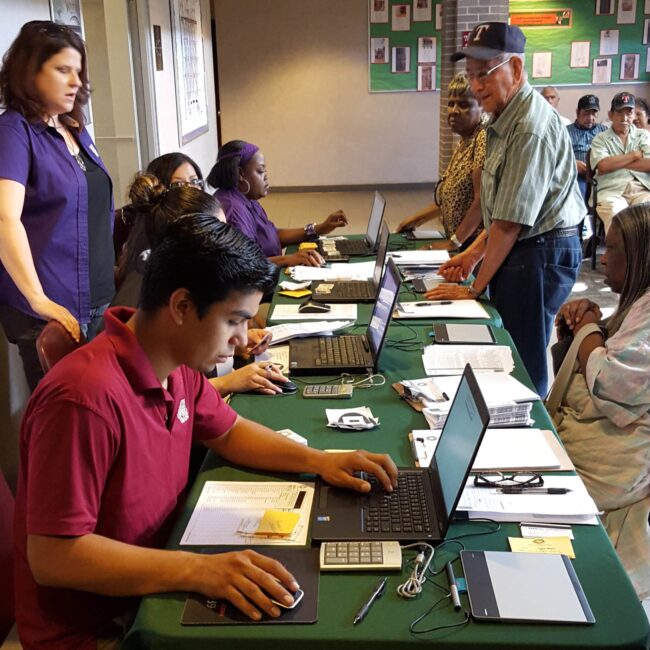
x=433 y=302
x=525 y=490
x=377 y=592
x=453 y=586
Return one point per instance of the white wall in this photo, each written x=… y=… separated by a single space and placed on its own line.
x=293 y=78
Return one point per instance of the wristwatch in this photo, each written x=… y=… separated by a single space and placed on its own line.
x=455 y=241
x=310 y=231
x=474 y=291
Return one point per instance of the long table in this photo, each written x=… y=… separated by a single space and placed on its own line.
x=620 y=619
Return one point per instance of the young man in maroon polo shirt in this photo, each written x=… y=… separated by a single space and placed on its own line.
x=105 y=444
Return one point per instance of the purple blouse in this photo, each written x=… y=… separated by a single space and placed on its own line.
x=55 y=212
x=249 y=217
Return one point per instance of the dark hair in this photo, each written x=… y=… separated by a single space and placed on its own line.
x=224 y=175
x=207 y=257
x=643 y=105
x=153 y=207
x=38 y=41
x=164 y=166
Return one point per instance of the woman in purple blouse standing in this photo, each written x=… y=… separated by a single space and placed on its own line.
x=241 y=179
x=56 y=206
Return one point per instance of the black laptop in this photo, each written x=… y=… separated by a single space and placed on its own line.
x=425 y=500
x=354 y=290
x=340 y=250
x=332 y=355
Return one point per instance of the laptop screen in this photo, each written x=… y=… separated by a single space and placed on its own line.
x=381 y=255
x=376 y=216
x=383 y=309
x=459 y=441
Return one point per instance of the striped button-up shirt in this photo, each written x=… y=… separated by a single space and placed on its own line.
x=529 y=175
x=581 y=138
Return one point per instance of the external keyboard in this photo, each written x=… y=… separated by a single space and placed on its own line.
x=360 y=556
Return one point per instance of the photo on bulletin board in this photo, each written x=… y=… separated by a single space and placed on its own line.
x=401 y=60
x=626 y=14
x=422 y=11
x=580 y=51
x=378 y=50
x=401 y=21
x=608 y=42
x=427 y=48
x=646 y=31
x=647 y=60
x=439 y=16
x=541 y=65
x=426 y=77
x=378 y=11
x=605 y=7
x=629 y=67
x=67 y=12
x=602 y=71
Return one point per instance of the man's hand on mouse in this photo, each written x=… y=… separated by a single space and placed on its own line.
x=258 y=376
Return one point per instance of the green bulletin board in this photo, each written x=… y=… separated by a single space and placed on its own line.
x=582 y=26
x=392 y=68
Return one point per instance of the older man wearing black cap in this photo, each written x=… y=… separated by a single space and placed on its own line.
x=621 y=157
x=582 y=132
x=529 y=197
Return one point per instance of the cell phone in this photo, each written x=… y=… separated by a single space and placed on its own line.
x=463 y=334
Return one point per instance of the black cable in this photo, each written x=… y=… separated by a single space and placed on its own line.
x=437 y=627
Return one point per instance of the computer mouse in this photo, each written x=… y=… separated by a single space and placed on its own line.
x=287 y=387
x=311 y=307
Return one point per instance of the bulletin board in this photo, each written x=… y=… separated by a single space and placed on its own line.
x=404 y=42
x=585 y=41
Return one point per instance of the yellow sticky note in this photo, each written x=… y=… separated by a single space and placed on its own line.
x=278 y=522
x=299 y=293
x=560 y=545
x=308 y=246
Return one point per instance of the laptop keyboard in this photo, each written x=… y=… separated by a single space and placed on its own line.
x=353 y=247
x=342 y=351
x=352 y=290
x=401 y=511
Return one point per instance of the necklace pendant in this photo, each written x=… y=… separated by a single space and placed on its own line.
x=80 y=162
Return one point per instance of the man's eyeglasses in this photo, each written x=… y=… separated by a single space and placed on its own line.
x=195 y=182
x=484 y=74
x=516 y=479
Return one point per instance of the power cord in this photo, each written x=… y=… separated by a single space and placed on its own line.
x=414 y=583
x=369 y=381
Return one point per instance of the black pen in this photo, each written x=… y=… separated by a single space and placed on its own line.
x=433 y=302
x=525 y=490
x=377 y=592
x=453 y=586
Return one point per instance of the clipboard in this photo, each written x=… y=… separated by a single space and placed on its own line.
x=303 y=564
x=413 y=402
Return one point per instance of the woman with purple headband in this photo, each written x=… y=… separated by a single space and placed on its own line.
x=241 y=179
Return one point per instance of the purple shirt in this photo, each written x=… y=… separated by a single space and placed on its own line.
x=55 y=212
x=249 y=217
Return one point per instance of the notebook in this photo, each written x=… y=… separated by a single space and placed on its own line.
x=304 y=566
x=354 y=290
x=432 y=492
x=340 y=250
x=327 y=355
x=524 y=587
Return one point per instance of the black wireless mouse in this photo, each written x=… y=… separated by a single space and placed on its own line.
x=287 y=387
x=311 y=307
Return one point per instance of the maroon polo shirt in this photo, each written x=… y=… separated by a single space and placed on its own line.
x=104 y=449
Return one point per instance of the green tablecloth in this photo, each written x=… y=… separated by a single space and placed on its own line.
x=621 y=622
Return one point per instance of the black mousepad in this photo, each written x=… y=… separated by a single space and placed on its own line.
x=303 y=564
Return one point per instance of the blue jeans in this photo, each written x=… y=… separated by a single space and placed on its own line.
x=531 y=285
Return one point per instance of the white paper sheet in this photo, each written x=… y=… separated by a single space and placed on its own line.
x=338 y=311
x=225 y=507
x=451 y=359
x=419 y=257
x=278 y=355
x=286 y=331
x=347 y=271
x=441 y=309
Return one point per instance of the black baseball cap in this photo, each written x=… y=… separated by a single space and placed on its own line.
x=489 y=40
x=588 y=103
x=622 y=100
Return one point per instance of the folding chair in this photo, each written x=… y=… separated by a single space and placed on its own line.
x=596 y=223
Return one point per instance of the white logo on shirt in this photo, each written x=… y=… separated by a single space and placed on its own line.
x=183 y=414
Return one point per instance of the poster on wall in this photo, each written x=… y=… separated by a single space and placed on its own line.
x=629 y=67
x=608 y=42
x=541 y=65
x=378 y=11
x=626 y=12
x=602 y=72
x=646 y=31
x=401 y=20
x=401 y=60
x=605 y=7
x=189 y=68
x=647 y=60
x=378 y=50
x=426 y=77
x=580 y=54
x=422 y=11
x=427 y=48
x=68 y=13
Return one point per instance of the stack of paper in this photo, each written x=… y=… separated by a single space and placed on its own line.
x=358 y=418
x=501 y=449
x=353 y=271
x=338 y=311
x=575 y=507
x=419 y=257
x=441 y=309
x=413 y=272
x=423 y=233
x=509 y=401
x=287 y=331
x=452 y=359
